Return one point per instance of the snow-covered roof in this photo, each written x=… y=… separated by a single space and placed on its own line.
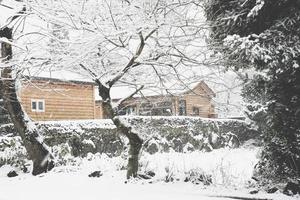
x=57 y=76
x=204 y=86
x=119 y=92
x=55 y=80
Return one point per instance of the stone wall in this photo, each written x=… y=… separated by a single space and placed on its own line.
x=183 y=134
x=160 y=134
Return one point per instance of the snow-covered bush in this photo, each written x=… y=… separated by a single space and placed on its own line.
x=12 y=152
x=226 y=167
x=197 y=176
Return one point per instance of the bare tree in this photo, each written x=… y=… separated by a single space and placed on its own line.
x=138 y=43
x=142 y=44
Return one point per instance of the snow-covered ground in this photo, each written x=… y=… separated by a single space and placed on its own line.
x=230 y=170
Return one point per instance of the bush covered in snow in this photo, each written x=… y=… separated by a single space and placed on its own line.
x=12 y=151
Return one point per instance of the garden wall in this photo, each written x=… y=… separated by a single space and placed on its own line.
x=160 y=134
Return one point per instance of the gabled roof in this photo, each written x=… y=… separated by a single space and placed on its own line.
x=202 y=85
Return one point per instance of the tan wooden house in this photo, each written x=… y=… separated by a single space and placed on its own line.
x=50 y=99
x=194 y=102
x=47 y=99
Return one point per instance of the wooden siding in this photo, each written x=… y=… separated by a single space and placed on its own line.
x=98 y=110
x=200 y=102
x=199 y=98
x=63 y=100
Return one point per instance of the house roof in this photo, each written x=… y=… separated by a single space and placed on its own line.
x=56 y=80
x=204 y=86
x=120 y=92
x=55 y=75
x=208 y=89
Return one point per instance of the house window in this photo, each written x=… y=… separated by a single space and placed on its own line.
x=145 y=109
x=182 y=107
x=33 y=106
x=130 y=110
x=163 y=108
x=38 y=105
x=196 y=111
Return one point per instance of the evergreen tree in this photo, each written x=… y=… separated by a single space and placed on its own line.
x=265 y=35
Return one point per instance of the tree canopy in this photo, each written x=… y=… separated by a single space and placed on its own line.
x=263 y=35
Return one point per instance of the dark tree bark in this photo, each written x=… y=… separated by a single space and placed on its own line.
x=135 y=141
x=36 y=149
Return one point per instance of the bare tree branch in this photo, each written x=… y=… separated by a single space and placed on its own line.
x=131 y=64
x=128 y=97
x=88 y=70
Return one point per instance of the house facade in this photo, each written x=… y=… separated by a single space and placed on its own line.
x=50 y=99
x=47 y=99
x=194 y=102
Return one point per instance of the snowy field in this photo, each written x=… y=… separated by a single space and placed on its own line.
x=230 y=171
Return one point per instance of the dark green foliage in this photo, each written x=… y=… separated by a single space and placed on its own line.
x=256 y=90
x=232 y=16
x=266 y=39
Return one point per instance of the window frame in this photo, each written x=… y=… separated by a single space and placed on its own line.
x=196 y=110
x=182 y=107
x=130 y=110
x=37 y=101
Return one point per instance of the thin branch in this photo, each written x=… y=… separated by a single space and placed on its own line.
x=69 y=15
x=16 y=16
x=129 y=96
x=88 y=70
x=111 y=15
x=20 y=13
x=6 y=6
x=131 y=62
x=151 y=33
x=5 y=40
x=112 y=42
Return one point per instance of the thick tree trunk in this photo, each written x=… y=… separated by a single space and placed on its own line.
x=135 y=141
x=33 y=143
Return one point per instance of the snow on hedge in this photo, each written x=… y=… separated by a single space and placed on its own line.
x=79 y=124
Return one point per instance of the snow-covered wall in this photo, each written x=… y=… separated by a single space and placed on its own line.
x=160 y=134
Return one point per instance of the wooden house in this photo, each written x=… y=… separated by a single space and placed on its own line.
x=193 y=102
x=47 y=99
x=51 y=99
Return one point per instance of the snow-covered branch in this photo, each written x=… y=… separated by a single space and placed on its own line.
x=131 y=64
x=128 y=97
x=5 y=40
